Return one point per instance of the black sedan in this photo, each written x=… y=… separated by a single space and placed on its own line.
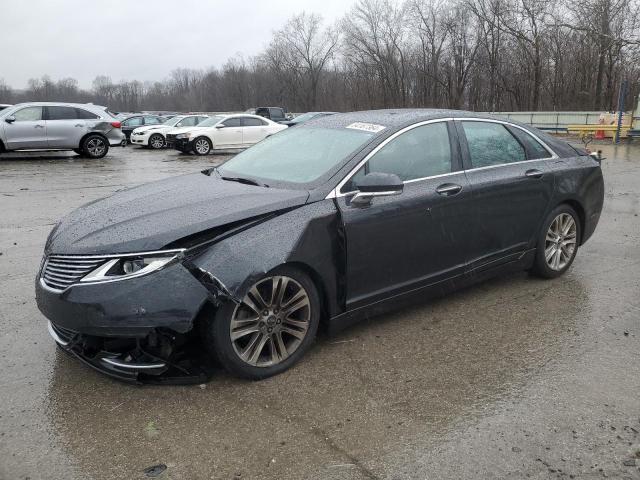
x=342 y=217
x=132 y=122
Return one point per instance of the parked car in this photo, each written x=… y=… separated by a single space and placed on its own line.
x=222 y=132
x=4 y=105
x=154 y=135
x=329 y=222
x=305 y=117
x=86 y=129
x=130 y=123
x=275 y=114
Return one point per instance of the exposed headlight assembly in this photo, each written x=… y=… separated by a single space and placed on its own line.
x=131 y=265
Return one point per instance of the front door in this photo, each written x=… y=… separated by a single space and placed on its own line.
x=29 y=130
x=414 y=239
x=511 y=191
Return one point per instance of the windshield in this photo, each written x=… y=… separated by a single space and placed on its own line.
x=211 y=121
x=173 y=121
x=298 y=155
x=304 y=117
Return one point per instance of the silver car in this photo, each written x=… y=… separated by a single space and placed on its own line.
x=86 y=129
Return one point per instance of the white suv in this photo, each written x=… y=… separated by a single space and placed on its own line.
x=154 y=135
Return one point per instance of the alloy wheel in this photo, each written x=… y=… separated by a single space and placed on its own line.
x=560 y=242
x=271 y=322
x=157 y=141
x=95 y=147
x=202 y=146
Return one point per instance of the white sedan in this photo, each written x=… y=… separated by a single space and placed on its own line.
x=154 y=135
x=221 y=132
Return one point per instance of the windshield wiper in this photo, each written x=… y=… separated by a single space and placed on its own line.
x=246 y=181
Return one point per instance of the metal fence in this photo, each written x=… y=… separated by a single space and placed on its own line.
x=552 y=121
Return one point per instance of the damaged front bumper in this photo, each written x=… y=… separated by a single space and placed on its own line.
x=136 y=330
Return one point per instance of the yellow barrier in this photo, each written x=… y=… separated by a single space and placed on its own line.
x=609 y=130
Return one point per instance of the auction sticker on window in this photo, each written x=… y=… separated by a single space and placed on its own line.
x=367 y=127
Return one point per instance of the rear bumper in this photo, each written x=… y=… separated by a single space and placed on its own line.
x=116 y=138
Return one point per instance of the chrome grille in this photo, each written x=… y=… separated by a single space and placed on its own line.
x=61 y=271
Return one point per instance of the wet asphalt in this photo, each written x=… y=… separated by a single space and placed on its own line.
x=513 y=378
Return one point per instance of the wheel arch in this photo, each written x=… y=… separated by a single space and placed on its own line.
x=84 y=137
x=579 y=209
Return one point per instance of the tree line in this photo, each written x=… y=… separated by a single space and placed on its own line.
x=484 y=55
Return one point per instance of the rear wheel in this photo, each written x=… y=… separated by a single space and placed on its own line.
x=202 y=146
x=95 y=146
x=156 y=141
x=271 y=329
x=557 y=243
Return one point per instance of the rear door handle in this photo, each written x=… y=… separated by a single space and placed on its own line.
x=39 y=126
x=533 y=173
x=449 y=189
x=79 y=125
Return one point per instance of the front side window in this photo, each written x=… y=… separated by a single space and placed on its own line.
x=61 y=113
x=421 y=152
x=491 y=144
x=188 y=122
x=152 y=121
x=29 y=114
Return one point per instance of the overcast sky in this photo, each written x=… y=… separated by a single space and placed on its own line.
x=137 y=39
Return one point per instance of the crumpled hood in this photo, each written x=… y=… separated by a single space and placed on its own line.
x=149 y=128
x=151 y=216
x=176 y=131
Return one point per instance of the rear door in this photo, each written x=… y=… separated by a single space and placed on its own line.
x=414 y=239
x=512 y=187
x=29 y=130
x=253 y=130
x=229 y=135
x=65 y=128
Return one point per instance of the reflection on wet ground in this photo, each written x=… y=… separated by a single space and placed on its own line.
x=513 y=378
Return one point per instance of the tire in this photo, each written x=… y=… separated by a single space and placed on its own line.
x=557 y=243
x=95 y=146
x=156 y=141
x=202 y=146
x=271 y=330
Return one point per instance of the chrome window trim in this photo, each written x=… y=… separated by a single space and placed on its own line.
x=335 y=192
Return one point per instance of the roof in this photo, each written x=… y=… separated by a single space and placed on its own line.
x=391 y=117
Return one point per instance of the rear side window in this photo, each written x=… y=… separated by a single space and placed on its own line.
x=200 y=119
x=188 y=122
x=534 y=149
x=61 y=113
x=252 y=122
x=85 y=115
x=232 y=122
x=263 y=112
x=29 y=114
x=491 y=144
x=277 y=113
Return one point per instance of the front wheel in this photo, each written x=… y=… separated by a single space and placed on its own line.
x=156 y=141
x=557 y=244
x=270 y=329
x=202 y=146
x=95 y=146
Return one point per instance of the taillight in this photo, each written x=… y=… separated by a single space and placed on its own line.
x=116 y=124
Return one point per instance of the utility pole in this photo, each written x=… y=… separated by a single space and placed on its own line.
x=621 y=96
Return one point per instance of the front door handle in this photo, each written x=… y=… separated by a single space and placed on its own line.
x=449 y=189
x=79 y=125
x=534 y=173
x=38 y=126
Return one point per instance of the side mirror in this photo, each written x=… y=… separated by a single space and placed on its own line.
x=219 y=125
x=377 y=185
x=10 y=119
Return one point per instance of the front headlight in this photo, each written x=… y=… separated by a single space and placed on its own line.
x=132 y=265
x=183 y=135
